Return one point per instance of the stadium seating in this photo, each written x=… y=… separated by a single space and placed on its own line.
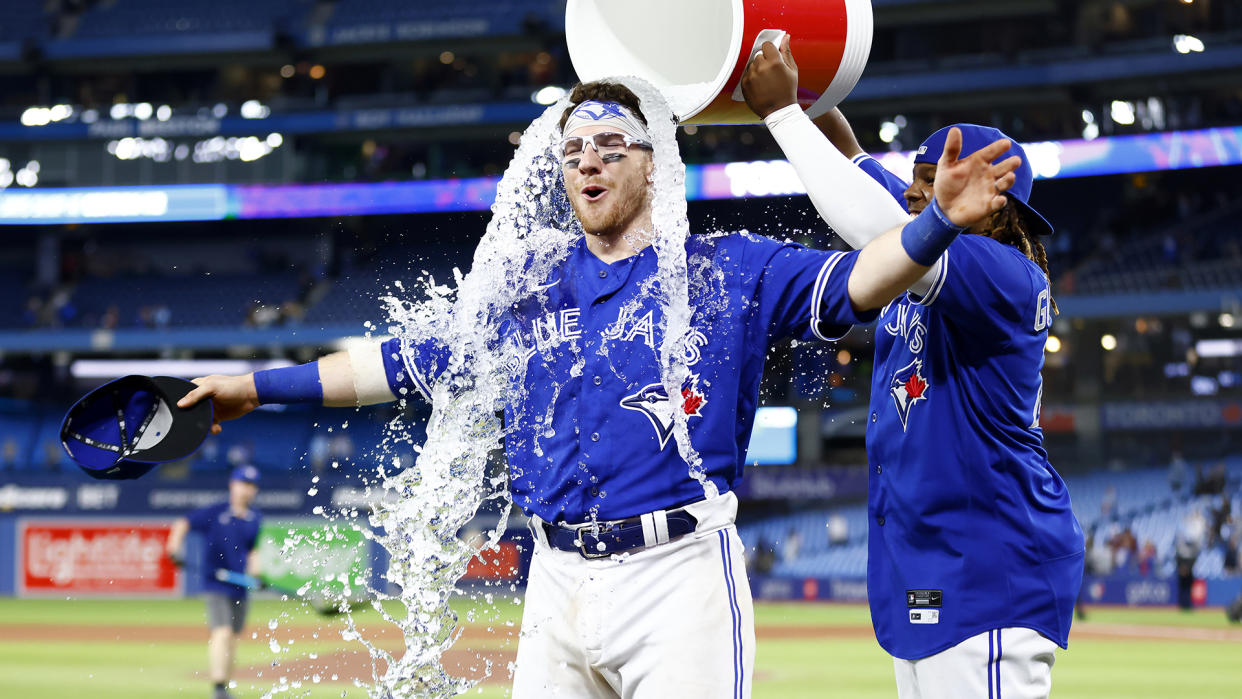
x=357 y=11
x=139 y=27
x=1179 y=254
x=355 y=298
x=129 y=17
x=148 y=27
x=13 y=287
x=1143 y=500
x=208 y=300
x=24 y=20
x=816 y=557
x=19 y=427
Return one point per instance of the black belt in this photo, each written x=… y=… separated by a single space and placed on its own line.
x=603 y=539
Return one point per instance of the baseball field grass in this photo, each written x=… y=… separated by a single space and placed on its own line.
x=151 y=649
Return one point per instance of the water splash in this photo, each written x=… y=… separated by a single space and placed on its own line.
x=671 y=282
x=532 y=230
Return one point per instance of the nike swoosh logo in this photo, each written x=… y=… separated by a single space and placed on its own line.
x=541 y=287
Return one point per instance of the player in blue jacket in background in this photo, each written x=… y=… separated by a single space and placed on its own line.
x=637 y=586
x=975 y=557
x=230 y=533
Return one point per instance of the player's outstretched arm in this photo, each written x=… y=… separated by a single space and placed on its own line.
x=967 y=190
x=331 y=381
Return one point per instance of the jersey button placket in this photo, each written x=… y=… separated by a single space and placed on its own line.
x=880 y=520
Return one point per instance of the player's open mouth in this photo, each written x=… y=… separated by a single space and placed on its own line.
x=593 y=192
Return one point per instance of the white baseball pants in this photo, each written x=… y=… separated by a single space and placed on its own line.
x=673 y=620
x=1012 y=663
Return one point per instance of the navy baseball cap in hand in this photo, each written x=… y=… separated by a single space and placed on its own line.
x=974 y=138
x=126 y=427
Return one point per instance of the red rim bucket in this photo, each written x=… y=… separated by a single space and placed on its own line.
x=695 y=51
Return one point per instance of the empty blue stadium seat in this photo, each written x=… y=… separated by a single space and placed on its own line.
x=207 y=300
x=130 y=17
x=1143 y=500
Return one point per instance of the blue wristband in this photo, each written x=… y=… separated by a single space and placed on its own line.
x=929 y=235
x=294 y=384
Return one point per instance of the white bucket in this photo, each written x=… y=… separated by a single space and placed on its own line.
x=695 y=51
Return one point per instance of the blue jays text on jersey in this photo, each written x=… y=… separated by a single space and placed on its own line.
x=589 y=435
x=966 y=509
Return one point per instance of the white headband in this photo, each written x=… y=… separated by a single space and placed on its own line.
x=611 y=114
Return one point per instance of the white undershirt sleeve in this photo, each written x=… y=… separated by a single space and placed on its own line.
x=370 y=378
x=857 y=207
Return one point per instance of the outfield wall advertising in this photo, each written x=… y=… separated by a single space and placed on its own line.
x=74 y=494
x=94 y=559
x=501 y=564
x=787 y=588
x=1171 y=415
x=322 y=559
x=1127 y=590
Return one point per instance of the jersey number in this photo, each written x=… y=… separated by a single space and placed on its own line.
x=1039 y=403
x=1043 y=311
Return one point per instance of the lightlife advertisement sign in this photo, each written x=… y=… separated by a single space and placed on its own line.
x=105 y=558
x=1173 y=150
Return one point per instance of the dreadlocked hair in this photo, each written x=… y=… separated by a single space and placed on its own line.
x=603 y=91
x=1007 y=226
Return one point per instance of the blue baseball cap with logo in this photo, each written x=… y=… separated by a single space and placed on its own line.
x=245 y=473
x=128 y=426
x=974 y=138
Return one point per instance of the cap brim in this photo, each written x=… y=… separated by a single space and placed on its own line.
x=189 y=426
x=1038 y=224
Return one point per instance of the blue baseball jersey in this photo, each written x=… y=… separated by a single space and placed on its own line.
x=591 y=430
x=227 y=541
x=895 y=185
x=971 y=527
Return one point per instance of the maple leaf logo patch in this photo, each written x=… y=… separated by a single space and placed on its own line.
x=652 y=401
x=908 y=388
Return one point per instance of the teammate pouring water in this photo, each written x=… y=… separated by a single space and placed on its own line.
x=974 y=556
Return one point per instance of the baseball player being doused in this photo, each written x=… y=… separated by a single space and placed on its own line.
x=975 y=557
x=637 y=585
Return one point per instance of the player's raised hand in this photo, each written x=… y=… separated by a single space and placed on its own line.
x=771 y=79
x=231 y=397
x=969 y=189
